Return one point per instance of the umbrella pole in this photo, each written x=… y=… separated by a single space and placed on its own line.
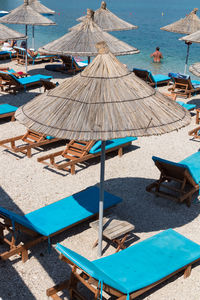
x=26 y=62
x=33 y=37
x=88 y=60
x=101 y=197
x=187 y=56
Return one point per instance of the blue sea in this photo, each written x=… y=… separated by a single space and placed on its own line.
x=149 y=15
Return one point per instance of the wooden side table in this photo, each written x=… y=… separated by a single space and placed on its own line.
x=197 y=115
x=114 y=229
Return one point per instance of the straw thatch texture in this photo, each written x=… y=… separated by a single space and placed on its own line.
x=108 y=21
x=187 y=25
x=104 y=101
x=193 y=38
x=82 y=40
x=195 y=69
x=25 y=14
x=40 y=8
x=10 y=34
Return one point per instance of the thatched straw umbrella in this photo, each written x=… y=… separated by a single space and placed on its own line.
x=187 y=25
x=193 y=38
x=82 y=40
x=10 y=34
x=26 y=15
x=103 y=102
x=108 y=21
x=195 y=69
x=41 y=9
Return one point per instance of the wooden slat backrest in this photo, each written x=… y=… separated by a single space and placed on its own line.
x=9 y=79
x=32 y=136
x=143 y=74
x=183 y=83
x=174 y=171
x=77 y=148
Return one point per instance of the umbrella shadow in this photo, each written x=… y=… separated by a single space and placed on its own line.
x=19 y=99
x=55 y=75
x=145 y=211
x=8 y=273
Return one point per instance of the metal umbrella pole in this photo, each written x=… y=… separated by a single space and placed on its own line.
x=33 y=37
x=26 y=60
x=101 y=197
x=187 y=56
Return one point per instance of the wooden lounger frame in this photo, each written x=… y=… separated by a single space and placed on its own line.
x=183 y=87
x=178 y=174
x=92 y=284
x=21 y=57
x=76 y=153
x=36 y=238
x=10 y=114
x=194 y=133
x=33 y=140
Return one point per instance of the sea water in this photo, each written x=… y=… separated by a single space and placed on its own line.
x=148 y=15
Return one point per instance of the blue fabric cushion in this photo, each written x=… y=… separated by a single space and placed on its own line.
x=48 y=137
x=7 y=108
x=187 y=105
x=63 y=213
x=195 y=83
x=159 y=77
x=33 y=78
x=191 y=163
x=111 y=144
x=141 y=264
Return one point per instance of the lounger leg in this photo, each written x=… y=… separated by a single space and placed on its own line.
x=29 y=153
x=52 y=292
x=120 y=243
x=24 y=255
x=187 y=271
x=73 y=169
x=120 y=151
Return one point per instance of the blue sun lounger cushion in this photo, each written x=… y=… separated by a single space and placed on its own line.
x=187 y=106
x=111 y=144
x=7 y=108
x=191 y=163
x=141 y=264
x=31 y=79
x=63 y=213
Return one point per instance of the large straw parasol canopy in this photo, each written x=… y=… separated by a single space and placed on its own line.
x=25 y=14
x=104 y=101
x=82 y=40
x=40 y=8
x=187 y=25
x=108 y=21
x=10 y=34
x=195 y=69
x=193 y=38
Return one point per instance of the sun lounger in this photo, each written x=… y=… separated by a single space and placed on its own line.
x=80 y=151
x=50 y=220
x=72 y=65
x=185 y=86
x=21 y=57
x=131 y=272
x=6 y=54
x=7 y=110
x=186 y=173
x=11 y=83
x=28 y=141
x=153 y=80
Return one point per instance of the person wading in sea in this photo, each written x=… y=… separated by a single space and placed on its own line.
x=157 y=55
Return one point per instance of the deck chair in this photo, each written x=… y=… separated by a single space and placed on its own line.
x=31 y=139
x=131 y=272
x=185 y=86
x=21 y=57
x=80 y=151
x=72 y=65
x=7 y=110
x=9 y=82
x=153 y=80
x=50 y=220
x=187 y=106
x=186 y=173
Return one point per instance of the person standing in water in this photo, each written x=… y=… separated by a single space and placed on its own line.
x=157 y=55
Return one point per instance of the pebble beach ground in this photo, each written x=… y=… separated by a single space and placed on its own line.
x=26 y=185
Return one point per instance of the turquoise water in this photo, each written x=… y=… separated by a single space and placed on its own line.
x=147 y=14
